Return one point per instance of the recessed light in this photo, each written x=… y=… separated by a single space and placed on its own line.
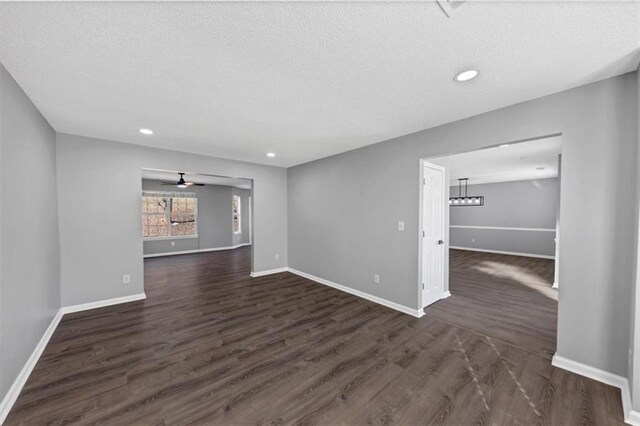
x=146 y=131
x=271 y=154
x=466 y=75
x=504 y=145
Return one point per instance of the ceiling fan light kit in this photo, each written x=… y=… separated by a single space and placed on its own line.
x=181 y=183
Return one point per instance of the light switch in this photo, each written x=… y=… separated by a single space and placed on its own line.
x=400 y=226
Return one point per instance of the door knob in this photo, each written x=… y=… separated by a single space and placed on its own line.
x=440 y=241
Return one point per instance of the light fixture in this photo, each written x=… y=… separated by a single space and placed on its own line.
x=181 y=183
x=504 y=145
x=474 y=200
x=271 y=154
x=466 y=75
x=146 y=131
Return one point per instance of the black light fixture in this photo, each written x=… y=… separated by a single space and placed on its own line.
x=460 y=201
x=181 y=183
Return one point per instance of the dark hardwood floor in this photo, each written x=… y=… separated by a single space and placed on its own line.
x=212 y=346
x=506 y=297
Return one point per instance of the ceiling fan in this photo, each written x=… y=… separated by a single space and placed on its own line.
x=181 y=183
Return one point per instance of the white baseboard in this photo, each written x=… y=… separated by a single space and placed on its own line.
x=413 y=312
x=173 y=253
x=511 y=253
x=268 y=272
x=633 y=418
x=555 y=285
x=446 y=294
x=18 y=383
x=630 y=416
x=103 y=303
x=11 y=396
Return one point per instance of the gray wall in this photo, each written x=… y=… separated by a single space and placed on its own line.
x=343 y=210
x=522 y=204
x=103 y=240
x=214 y=219
x=30 y=283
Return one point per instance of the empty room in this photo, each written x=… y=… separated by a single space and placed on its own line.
x=309 y=212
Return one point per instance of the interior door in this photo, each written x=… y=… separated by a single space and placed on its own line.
x=433 y=234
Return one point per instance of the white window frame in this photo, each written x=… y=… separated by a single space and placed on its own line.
x=239 y=231
x=170 y=196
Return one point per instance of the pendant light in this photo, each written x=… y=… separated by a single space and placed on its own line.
x=460 y=201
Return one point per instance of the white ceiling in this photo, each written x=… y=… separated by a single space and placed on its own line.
x=196 y=178
x=305 y=80
x=519 y=161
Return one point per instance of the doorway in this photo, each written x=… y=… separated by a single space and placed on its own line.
x=192 y=221
x=499 y=217
x=433 y=233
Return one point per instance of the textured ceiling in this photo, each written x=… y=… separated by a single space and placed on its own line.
x=169 y=176
x=305 y=80
x=520 y=161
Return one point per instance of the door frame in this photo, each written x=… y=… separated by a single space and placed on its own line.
x=445 y=281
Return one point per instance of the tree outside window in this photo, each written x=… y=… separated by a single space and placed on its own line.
x=166 y=215
x=236 y=215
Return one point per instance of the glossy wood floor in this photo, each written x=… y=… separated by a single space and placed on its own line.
x=502 y=296
x=212 y=346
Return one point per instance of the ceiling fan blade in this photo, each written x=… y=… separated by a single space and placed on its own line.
x=194 y=184
x=168 y=183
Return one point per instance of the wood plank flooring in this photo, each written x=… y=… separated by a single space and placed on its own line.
x=506 y=297
x=212 y=346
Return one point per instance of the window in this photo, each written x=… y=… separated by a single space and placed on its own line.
x=236 y=215
x=169 y=215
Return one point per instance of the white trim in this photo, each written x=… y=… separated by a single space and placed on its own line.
x=413 y=312
x=633 y=418
x=173 y=253
x=268 y=272
x=11 y=396
x=103 y=303
x=446 y=294
x=503 y=228
x=555 y=285
x=630 y=416
x=445 y=230
x=176 y=237
x=511 y=253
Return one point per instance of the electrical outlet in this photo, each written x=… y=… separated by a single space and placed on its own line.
x=277 y=256
x=173 y=243
x=126 y=279
x=376 y=278
x=400 y=226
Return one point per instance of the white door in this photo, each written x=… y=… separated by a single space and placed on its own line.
x=433 y=236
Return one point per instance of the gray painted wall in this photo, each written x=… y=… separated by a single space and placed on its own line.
x=521 y=204
x=30 y=283
x=214 y=219
x=103 y=240
x=343 y=210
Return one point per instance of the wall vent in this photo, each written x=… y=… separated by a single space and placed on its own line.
x=448 y=6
